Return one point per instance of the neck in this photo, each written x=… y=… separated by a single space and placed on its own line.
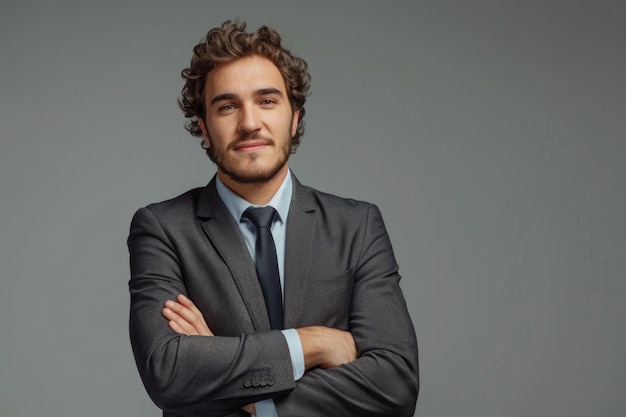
x=259 y=193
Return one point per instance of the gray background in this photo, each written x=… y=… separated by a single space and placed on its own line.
x=490 y=133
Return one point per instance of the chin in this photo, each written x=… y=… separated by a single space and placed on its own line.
x=254 y=176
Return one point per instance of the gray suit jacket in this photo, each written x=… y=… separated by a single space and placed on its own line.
x=340 y=272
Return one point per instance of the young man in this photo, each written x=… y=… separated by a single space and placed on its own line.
x=302 y=316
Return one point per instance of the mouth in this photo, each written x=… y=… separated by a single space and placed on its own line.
x=251 y=146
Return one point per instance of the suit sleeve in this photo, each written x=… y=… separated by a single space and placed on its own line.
x=383 y=380
x=193 y=375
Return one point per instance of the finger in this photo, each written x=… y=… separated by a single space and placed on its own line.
x=171 y=315
x=181 y=310
x=189 y=304
x=198 y=318
x=194 y=320
x=179 y=313
x=174 y=326
x=187 y=315
x=179 y=324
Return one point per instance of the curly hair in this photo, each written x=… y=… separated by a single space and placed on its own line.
x=229 y=42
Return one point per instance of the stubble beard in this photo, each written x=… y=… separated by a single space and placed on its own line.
x=257 y=176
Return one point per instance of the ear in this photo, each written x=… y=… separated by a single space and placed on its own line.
x=294 y=122
x=205 y=133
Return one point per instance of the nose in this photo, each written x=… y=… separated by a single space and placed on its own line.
x=249 y=119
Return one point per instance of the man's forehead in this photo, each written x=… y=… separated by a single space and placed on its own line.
x=251 y=74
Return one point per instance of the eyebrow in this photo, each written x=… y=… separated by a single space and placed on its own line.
x=258 y=93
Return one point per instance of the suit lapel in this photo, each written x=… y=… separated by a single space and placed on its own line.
x=299 y=249
x=225 y=236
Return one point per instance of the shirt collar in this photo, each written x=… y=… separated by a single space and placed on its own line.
x=236 y=205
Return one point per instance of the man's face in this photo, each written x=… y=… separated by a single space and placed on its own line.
x=249 y=122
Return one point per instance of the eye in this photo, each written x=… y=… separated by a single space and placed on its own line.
x=267 y=102
x=226 y=107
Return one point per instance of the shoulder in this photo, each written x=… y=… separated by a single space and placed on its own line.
x=327 y=199
x=179 y=209
x=332 y=205
x=186 y=201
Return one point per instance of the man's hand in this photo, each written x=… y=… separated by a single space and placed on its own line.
x=185 y=318
x=325 y=347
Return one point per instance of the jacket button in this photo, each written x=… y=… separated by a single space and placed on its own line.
x=270 y=381
x=247 y=383
x=255 y=382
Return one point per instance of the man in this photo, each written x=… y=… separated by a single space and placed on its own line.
x=228 y=319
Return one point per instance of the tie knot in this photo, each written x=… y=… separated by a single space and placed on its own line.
x=260 y=216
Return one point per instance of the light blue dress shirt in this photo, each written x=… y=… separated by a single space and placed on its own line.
x=280 y=202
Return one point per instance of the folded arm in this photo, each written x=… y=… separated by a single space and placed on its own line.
x=323 y=347
x=193 y=375
x=383 y=380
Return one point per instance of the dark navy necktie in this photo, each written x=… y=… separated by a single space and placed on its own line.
x=267 y=262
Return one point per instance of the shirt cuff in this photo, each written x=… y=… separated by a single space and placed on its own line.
x=265 y=408
x=295 y=351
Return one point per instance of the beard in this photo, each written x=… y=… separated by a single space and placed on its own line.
x=254 y=175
